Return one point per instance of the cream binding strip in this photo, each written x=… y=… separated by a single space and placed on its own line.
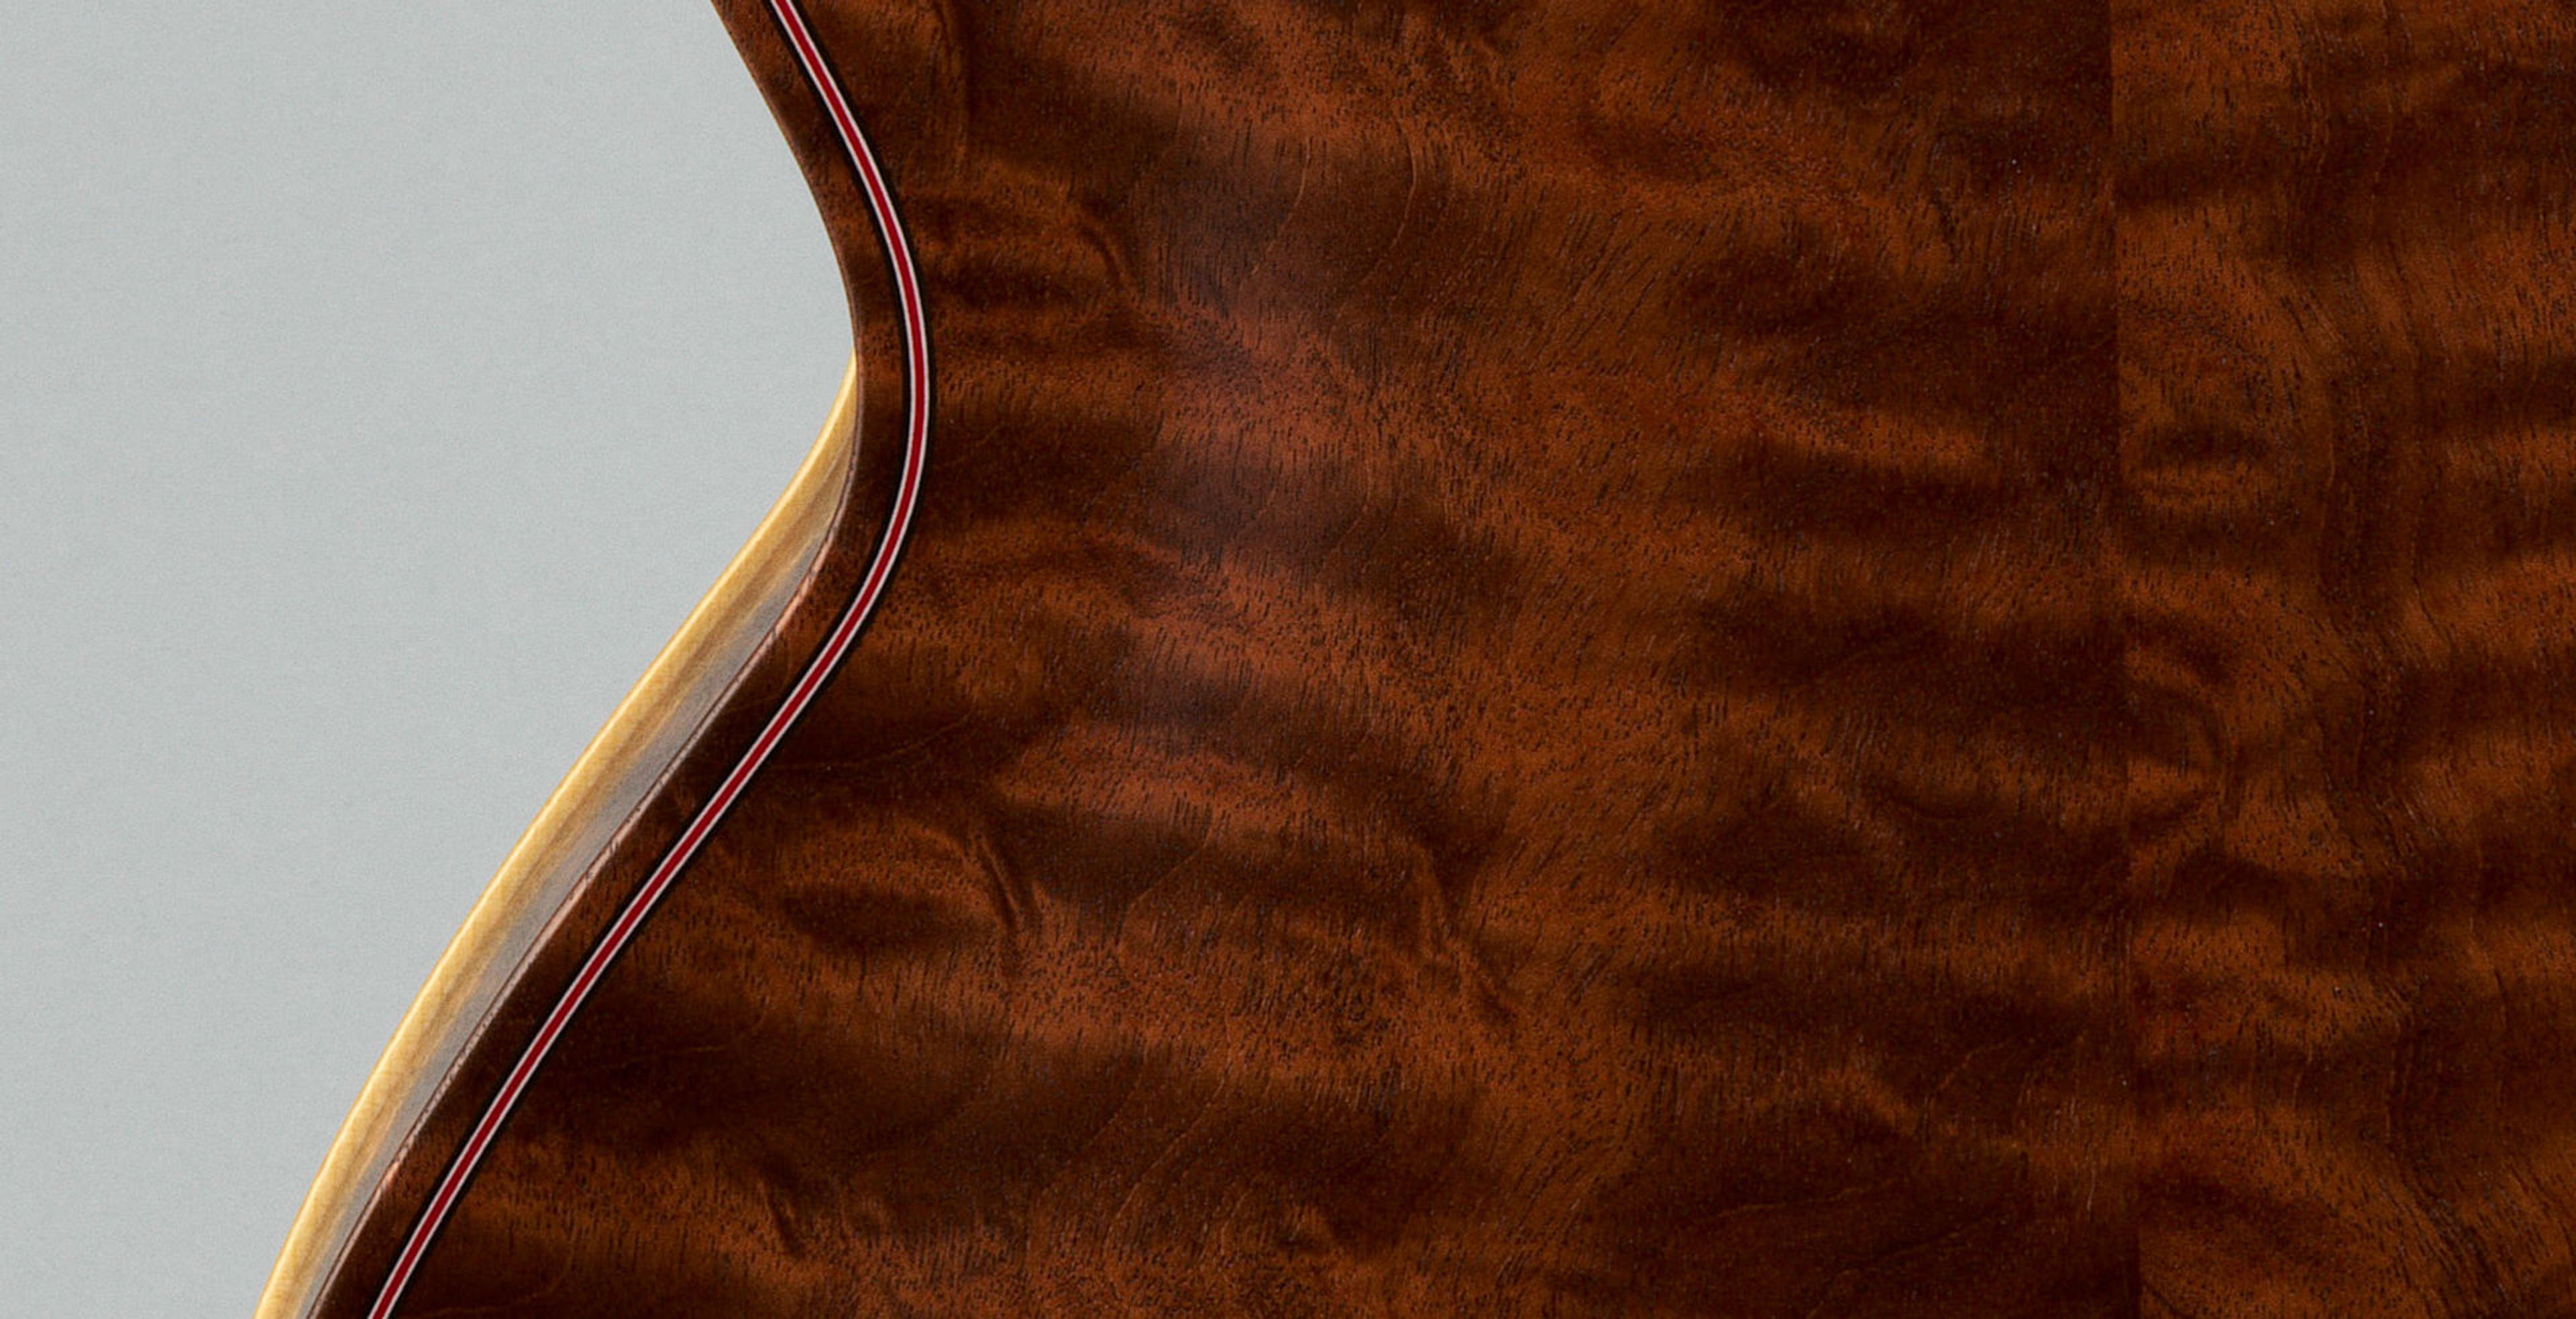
x=916 y=449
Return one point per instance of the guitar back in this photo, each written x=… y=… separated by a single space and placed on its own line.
x=1594 y=658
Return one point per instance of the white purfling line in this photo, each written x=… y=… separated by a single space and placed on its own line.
x=916 y=448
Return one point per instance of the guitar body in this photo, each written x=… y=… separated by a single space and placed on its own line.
x=1585 y=658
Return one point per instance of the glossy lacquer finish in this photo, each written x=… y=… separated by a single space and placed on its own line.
x=1624 y=659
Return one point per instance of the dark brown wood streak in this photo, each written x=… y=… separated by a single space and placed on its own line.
x=1595 y=658
x=2348 y=346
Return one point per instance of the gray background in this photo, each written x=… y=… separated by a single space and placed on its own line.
x=379 y=387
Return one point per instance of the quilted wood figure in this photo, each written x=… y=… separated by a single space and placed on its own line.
x=1606 y=657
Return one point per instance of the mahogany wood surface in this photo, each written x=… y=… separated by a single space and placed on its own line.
x=1614 y=658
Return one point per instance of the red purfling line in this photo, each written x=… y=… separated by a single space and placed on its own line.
x=916 y=446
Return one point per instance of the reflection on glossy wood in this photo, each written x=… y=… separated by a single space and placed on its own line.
x=1604 y=659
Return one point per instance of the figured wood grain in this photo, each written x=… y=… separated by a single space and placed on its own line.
x=2348 y=334
x=1593 y=658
